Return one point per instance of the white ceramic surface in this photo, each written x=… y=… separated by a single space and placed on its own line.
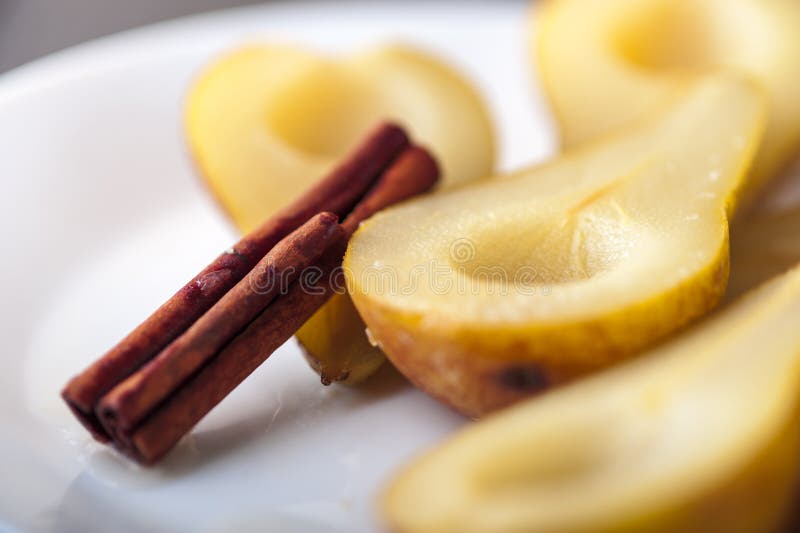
x=103 y=217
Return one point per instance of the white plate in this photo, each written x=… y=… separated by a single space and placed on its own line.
x=103 y=217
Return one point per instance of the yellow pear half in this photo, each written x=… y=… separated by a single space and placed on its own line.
x=701 y=435
x=265 y=121
x=501 y=289
x=605 y=63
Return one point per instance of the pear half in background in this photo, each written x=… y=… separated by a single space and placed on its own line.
x=508 y=287
x=265 y=121
x=700 y=435
x=606 y=63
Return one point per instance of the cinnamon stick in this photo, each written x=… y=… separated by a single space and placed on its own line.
x=151 y=389
x=165 y=427
x=337 y=193
x=126 y=404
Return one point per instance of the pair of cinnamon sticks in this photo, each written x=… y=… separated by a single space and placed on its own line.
x=150 y=389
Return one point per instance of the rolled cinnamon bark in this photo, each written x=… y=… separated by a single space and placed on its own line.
x=127 y=403
x=337 y=193
x=157 y=435
x=150 y=390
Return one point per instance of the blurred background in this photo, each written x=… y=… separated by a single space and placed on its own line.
x=33 y=28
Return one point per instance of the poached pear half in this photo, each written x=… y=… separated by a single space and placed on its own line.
x=699 y=435
x=497 y=290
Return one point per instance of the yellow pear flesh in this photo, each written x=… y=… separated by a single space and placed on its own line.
x=264 y=122
x=607 y=63
x=336 y=329
x=498 y=290
x=700 y=435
